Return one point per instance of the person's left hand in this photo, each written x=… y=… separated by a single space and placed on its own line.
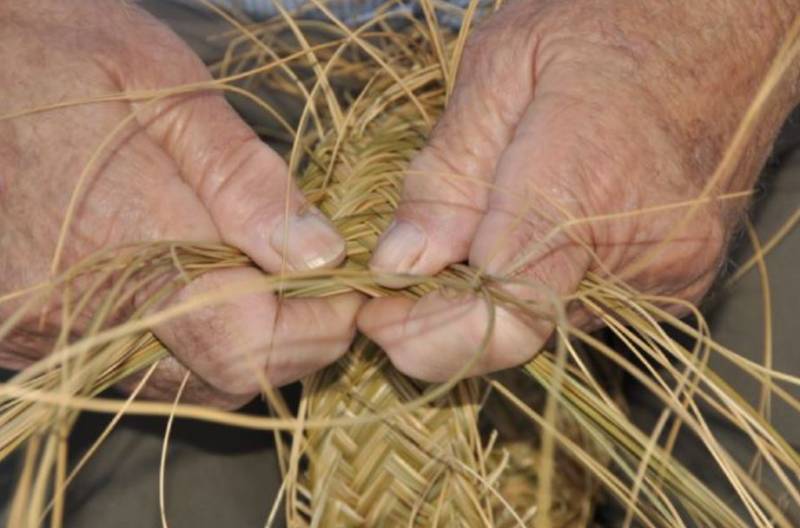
x=182 y=168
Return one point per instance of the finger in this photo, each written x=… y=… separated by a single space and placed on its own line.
x=535 y=190
x=434 y=338
x=251 y=197
x=446 y=188
x=241 y=343
x=244 y=184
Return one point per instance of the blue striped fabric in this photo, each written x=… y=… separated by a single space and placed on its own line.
x=260 y=9
x=352 y=12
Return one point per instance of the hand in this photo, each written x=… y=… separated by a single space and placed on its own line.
x=569 y=110
x=188 y=169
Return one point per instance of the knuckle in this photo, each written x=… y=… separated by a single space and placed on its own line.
x=228 y=167
x=451 y=181
x=237 y=192
x=222 y=342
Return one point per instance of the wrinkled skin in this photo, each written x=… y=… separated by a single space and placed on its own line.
x=186 y=169
x=600 y=107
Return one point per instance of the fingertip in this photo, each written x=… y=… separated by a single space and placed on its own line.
x=442 y=336
x=417 y=335
x=399 y=248
x=308 y=240
x=414 y=248
x=347 y=306
x=382 y=319
x=350 y=303
x=311 y=334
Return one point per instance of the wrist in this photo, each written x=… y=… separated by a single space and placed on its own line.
x=721 y=54
x=778 y=22
x=768 y=26
x=783 y=12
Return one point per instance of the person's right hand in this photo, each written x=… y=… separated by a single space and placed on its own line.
x=188 y=169
x=589 y=113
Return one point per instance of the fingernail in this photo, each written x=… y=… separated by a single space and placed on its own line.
x=308 y=240
x=399 y=248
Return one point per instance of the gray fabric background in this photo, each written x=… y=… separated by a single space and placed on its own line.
x=220 y=477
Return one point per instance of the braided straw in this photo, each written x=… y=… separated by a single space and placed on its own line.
x=432 y=459
x=430 y=466
x=369 y=446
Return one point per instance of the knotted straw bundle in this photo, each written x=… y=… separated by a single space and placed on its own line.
x=370 y=446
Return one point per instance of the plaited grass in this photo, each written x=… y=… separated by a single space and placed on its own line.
x=370 y=446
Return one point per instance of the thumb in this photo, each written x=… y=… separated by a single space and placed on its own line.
x=244 y=184
x=446 y=189
x=248 y=190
